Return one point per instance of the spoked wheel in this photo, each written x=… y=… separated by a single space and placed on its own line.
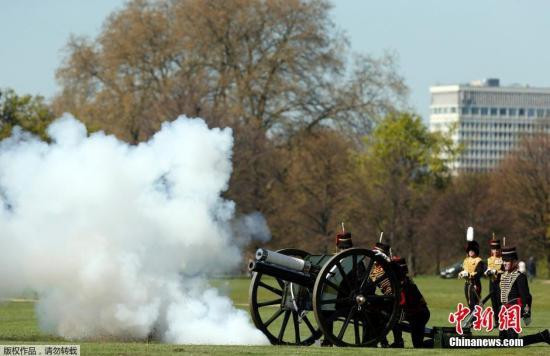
x=355 y=298
x=277 y=308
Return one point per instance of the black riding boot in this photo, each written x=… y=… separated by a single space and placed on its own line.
x=397 y=337
x=543 y=336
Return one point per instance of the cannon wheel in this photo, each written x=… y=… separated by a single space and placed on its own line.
x=349 y=305
x=305 y=333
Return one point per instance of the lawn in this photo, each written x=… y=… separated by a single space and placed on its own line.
x=18 y=325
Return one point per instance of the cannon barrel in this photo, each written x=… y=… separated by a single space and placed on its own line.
x=288 y=262
x=282 y=273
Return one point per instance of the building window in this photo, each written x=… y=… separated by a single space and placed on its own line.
x=484 y=111
x=521 y=112
x=531 y=112
x=512 y=112
x=453 y=109
x=502 y=111
x=540 y=112
x=493 y=111
x=475 y=110
x=465 y=110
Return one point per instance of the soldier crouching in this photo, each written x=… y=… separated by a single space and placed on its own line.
x=415 y=308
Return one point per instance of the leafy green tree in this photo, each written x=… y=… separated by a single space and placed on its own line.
x=30 y=113
x=403 y=164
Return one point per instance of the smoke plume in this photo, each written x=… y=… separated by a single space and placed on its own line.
x=117 y=240
x=251 y=227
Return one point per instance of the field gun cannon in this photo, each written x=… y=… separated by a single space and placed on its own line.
x=353 y=295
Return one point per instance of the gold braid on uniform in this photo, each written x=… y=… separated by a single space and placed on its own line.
x=495 y=263
x=379 y=277
x=506 y=282
x=470 y=264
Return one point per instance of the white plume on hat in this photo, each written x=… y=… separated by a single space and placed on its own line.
x=470 y=234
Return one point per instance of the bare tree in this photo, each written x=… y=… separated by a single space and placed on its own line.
x=273 y=65
x=314 y=195
x=270 y=69
x=524 y=187
x=468 y=200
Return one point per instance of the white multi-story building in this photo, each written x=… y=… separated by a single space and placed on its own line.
x=487 y=119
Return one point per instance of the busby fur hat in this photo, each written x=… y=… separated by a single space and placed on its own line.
x=471 y=245
x=509 y=254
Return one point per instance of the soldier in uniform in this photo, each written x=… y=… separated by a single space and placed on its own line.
x=378 y=274
x=381 y=280
x=494 y=271
x=343 y=242
x=514 y=290
x=415 y=308
x=472 y=271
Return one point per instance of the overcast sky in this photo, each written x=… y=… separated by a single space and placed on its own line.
x=436 y=41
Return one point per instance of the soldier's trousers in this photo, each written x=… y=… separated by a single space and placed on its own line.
x=527 y=339
x=418 y=323
x=494 y=289
x=472 y=291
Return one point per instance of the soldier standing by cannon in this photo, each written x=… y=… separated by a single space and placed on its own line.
x=378 y=275
x=343 y=242
x=514 y=290
x=494 y=271
x=380 y=278
x=472 y=270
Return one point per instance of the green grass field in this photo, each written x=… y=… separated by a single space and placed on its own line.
x=18 y=325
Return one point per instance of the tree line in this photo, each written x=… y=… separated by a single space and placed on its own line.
x=322 y=135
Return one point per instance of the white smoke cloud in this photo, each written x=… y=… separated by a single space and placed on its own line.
x=118 y=240
x=251 y=227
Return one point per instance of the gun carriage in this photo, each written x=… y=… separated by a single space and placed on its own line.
x=353 y=296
